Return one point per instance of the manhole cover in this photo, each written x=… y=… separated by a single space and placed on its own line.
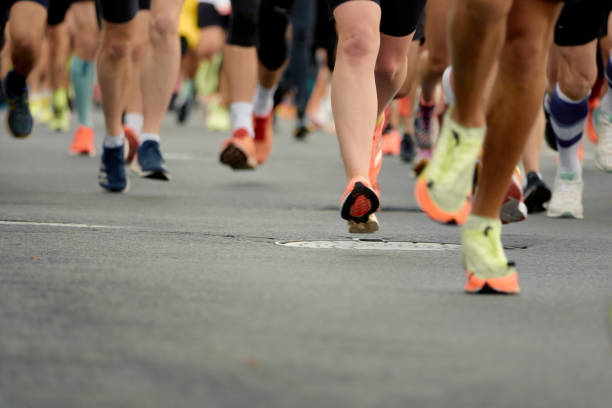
x=376 y=245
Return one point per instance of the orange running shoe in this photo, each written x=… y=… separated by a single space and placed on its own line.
x=359 y=201
x=514 y=209
x=377 y=155
x=263 y=126
x=238 y=151
x=590 y=125
x=83 y=142
x=391 y=143
x=131 y=145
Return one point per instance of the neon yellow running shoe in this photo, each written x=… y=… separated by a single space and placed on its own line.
x=443 y=190
x=484 y=260
x=61 y=111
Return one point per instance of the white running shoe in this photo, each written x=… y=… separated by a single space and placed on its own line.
x=566 y=201
x=603 y=154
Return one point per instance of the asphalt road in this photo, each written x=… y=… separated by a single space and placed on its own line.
x=177 y=295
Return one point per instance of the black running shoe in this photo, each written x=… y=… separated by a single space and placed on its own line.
x=407 y=152
x=19 y=120
x=536 y=193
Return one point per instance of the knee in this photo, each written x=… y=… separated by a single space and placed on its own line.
x=525 y=59
x=389 y=69
x=487 y=11
x=117 y=47
x=164 y=25
x=437 y=63
x=25 y=44
x=358 y=43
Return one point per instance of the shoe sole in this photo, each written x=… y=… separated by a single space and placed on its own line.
x=157 y=174
x=425 y=202
x=359 y=193
x=513 y=210
x=368 y=227
x=116 y=191
x=236 y=158
x=536 y=197
x=565 y=214
x=508 y=285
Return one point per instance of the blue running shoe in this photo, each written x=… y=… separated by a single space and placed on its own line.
x=112 y=170
x=19 y=121
x=149 y=162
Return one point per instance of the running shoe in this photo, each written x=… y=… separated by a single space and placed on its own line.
x=238 y=151
x=19 y=121
x=83 y=142
x=376 y=155
x=112 y=170
x=566 y=201
x=391 y=142
x=426 y=127
x=603 y=153
x=131 y=147
x=486 y=265
x=263 y=127
x=218 y=117
x=407 y=150
x=60 y=122
x=513 y=208
x=149 y=162
x=591 y=131
x=359 y=201
x=443 y=190
x=536 y=193
x=421 y=161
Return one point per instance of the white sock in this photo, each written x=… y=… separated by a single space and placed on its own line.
x=264 y=101
x=113 y=141
x=134 y=120
x=447 y=85
x=242 y=116
x=148 y=136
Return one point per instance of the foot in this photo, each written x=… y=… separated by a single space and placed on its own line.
x=359 y=201
x=443 y=190
x=603 y=153
x=407 y=151
x=149 y=162
x=218 y=118
x=368 y=227
x=391 y=142
x=112 y=176
x=513 y=208
x=566 y=201
x=238 y=151
x=60 y=122
x=83 y=142
x=536 y=193
x=484 y=260
x=19 y=121
x=263 y=126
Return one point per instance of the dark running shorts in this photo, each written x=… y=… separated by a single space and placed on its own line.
x=581 y=23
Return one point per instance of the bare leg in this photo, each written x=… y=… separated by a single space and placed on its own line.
x=533 y=146
x=161 y=65
x=241 y=72
x=515 y=99
x=438 y=58
x=114 y=70
x=477 y=28
x=355 y=107
x=141 y=45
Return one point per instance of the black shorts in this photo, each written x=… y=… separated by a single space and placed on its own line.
x=5 y=8
x=399 y=17
x=58 y=9
x=120 y=11
x=581 y=23
x=419 y=33
x=208 y=16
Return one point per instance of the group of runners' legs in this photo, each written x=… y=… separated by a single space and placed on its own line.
x=481 y=84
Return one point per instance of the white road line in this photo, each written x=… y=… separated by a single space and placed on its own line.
x=58 y=224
